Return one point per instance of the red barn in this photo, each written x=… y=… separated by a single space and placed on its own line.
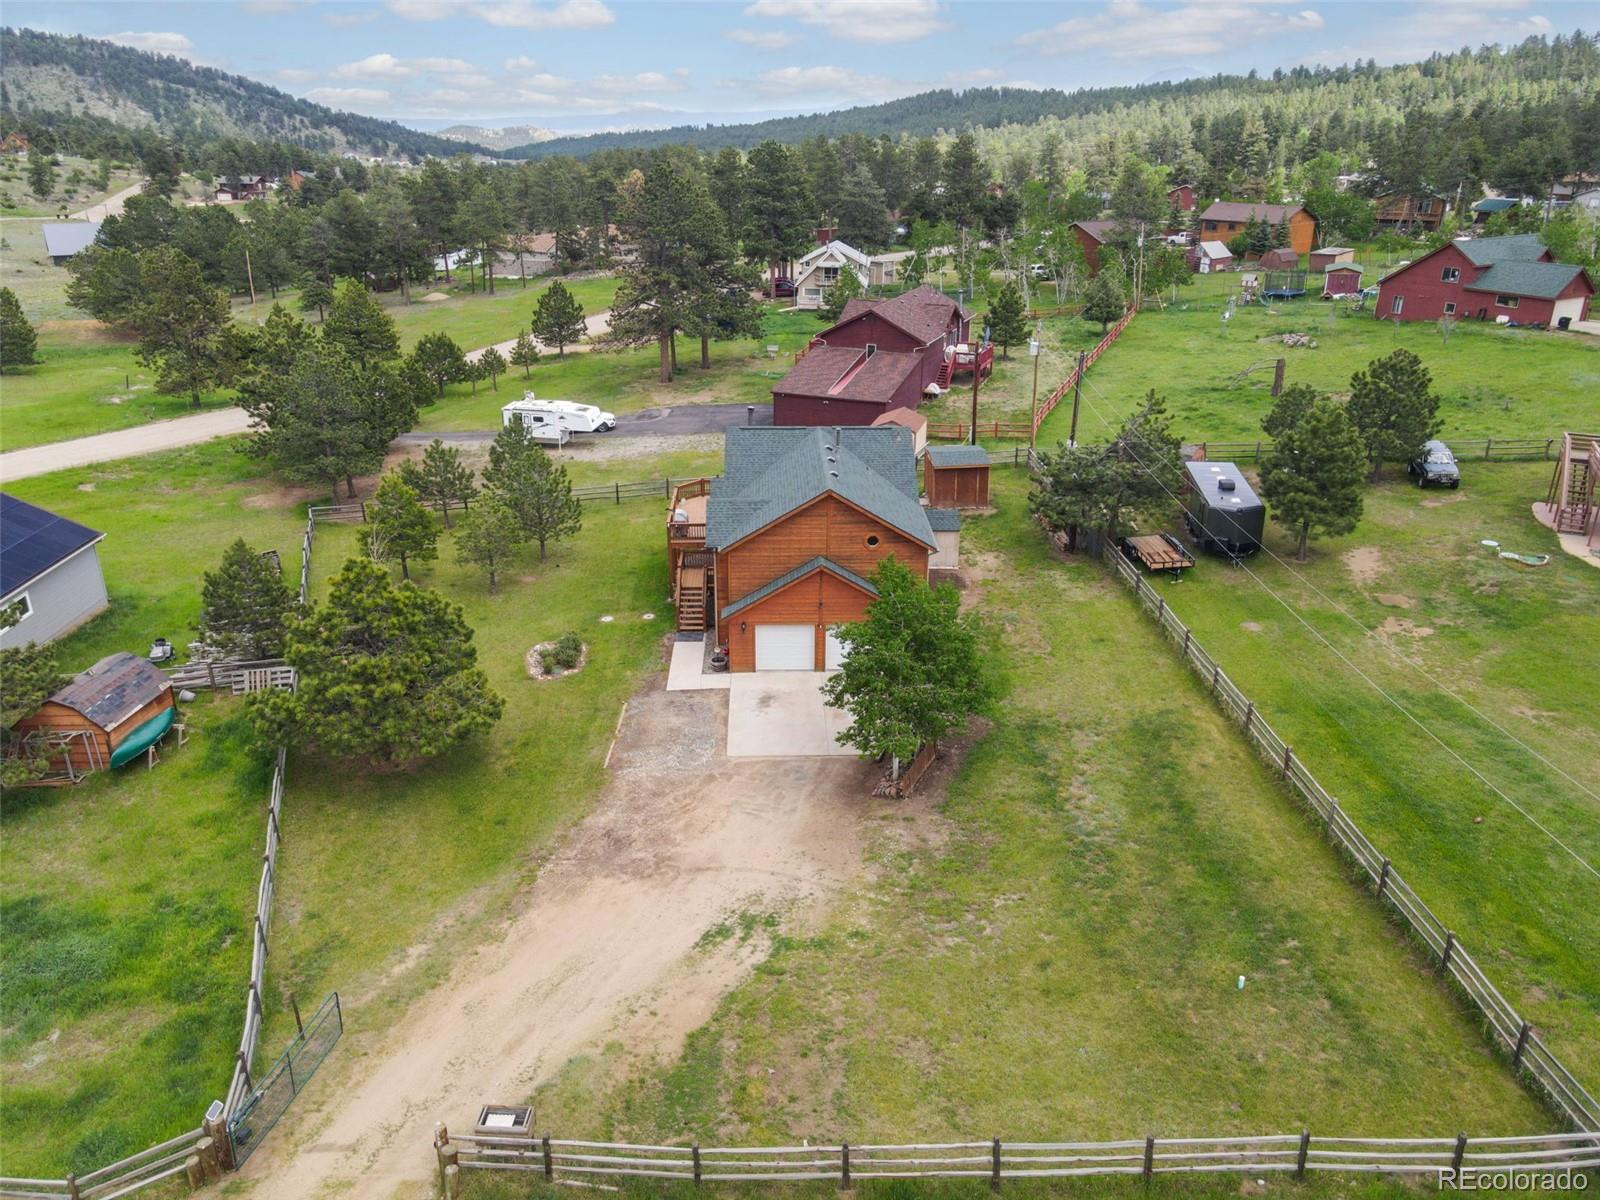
x=1514 y=277
x=880 y=355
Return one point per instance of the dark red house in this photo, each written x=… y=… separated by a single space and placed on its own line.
x=880 y=355
x=1514 y=277
x=1181 y=198
x=1092 y=235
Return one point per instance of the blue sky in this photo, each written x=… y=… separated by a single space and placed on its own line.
x=608 y=64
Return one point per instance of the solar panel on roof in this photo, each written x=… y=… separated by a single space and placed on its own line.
x=32 y=540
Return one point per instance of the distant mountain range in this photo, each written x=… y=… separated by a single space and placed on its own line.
x=47 y=74
x=506 y=138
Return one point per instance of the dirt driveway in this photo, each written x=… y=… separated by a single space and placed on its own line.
x=604 y=946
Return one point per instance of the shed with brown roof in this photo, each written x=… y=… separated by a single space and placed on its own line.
x=908 y=418
x=117 y=709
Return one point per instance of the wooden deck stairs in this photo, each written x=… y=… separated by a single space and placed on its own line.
x=1572 y=486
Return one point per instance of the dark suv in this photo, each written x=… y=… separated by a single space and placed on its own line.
x=1435 y=464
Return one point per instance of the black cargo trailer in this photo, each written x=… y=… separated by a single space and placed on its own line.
x=1222 y=513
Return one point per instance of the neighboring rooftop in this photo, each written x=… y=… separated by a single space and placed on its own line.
x=849 y=373
x=63 y=239
x=800 y=572
x=1098 y=230
x=1494 y=204
x=1238 y=210
x=1514 y=247
x=112 y=690
x=33 y=539
x=910 y=418
x=924 y=312
x=945 y=520
x=1511 y=277
x=769 y=472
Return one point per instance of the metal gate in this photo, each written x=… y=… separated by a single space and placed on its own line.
x=259 y=1111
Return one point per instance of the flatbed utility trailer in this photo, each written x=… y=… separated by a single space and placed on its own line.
x=1158 y=552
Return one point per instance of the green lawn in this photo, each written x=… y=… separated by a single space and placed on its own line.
x=1054 y=953
x=1492 y=382
x=141 y=884
x=1518 y=644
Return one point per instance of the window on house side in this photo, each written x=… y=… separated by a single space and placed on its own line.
x=1450 y=274
x=1507 y=301
x=1397 y=304
x=1449 y=308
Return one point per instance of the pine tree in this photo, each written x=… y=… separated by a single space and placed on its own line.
x=398 y=526
x=1104 y=300
x=1393 y=407
x=1008 y=324
x=532 y=486
x=488 y=538
x=386 y=676
x=357 y=322
x=441 y=478
x=310 y=416
x=1288 y=409
x=777 y=208
x=17 y=340
x=183 y=325
x=438 y=357
x=244 y=605
x=558 y=318
x=494 y=366
x=845 y=288
x=524 y=354
x=1312 y=476
x=315 y=294
x=41 y=172
x=28 y=677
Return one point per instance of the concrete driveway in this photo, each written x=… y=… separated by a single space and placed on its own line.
x=781 y=714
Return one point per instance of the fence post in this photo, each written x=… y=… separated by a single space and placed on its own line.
x=844 y=1166
x=1288 y=755
x=694 y=1152
x=994 y=1165
x=299 y=1026
x=1300 y=1158
x=1455 y=1159
x=1186 y=634
x=1149 y=1157
x=1449 y=947
x=1522 y=1044
x=1249 y=714
x=1488 y=444
x=363 y=512
x=211 y=671
x=72 y=1186
x=549 y=1163
x=218 y=1130
x=616 y=487
x=1383 y=878
x=1161 y=609
x=1216 y=669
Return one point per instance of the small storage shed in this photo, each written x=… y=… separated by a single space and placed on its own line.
x=908 y=418
x=946 y=524
x=1327 y=256
x=105 y=717
x=1341 y=280
x=1280 y=260
x=956 y=477
x=1213 y=256
x=1222 y=513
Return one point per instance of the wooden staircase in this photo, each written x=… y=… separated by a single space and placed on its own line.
x=694 y=589
x=1572 y=487
x=947 y=371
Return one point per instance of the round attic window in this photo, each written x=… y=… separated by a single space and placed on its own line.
x=872 y=539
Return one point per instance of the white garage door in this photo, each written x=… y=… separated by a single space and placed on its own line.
x=1568 y=308
x=785 y=648
x=834 y=652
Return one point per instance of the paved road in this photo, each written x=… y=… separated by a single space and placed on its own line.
x=594 y=326
x=123 y=443
x=111 y=206
x=677 y=421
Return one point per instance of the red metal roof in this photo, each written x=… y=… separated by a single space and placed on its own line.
x=848 y=373
x=924 y=313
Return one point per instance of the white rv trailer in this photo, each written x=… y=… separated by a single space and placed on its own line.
x=544 y=432
x=569 y=414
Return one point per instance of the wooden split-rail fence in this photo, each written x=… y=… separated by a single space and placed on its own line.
x=1508 y=1029
x=1490 y=449
x=995 y=1160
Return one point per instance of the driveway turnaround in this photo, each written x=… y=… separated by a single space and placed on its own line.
x=123 y=443
x=781 y=714
x=675 y=421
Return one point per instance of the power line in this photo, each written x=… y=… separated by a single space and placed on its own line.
x=1316 y=633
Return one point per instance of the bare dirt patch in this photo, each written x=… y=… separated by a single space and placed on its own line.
x=605 y=942
x=1401 y=626
x=1365 y=563
x=1251 y=626
x=614 y=449
x=1452 y=497
x=286 y=496
x=1393 y=600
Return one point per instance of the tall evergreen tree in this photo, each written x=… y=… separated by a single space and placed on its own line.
x=524 y=354
x=532 y=486
x=488 y=538
x=1312 y=476
x=398 y=526
x=441 y=478
x=244 y=605
x=777 y=209
x=183 y=325
x=1008 y=324
x=357 y=322
x=558 y=318
x=18 y=342
x=438 y=357
x=493 y=364
x=1104 y=299
x=1393 y=407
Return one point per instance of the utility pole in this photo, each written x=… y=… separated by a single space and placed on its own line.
x=976 y=374
x=1077 y=394
x=1033 y=429
x=250 y=275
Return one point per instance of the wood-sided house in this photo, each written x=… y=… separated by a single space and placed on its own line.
x=1514 y=277
x=1227 y=219
x=780 y=549
x=880 y=355
x=107 y=716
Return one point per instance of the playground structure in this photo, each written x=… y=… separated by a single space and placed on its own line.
x=1569 y=508
x=1283 y=285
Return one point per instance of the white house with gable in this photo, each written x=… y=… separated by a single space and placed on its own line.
x=819 y=270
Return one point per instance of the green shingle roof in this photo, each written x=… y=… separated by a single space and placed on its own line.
x=958 y=456
x=944 y=520
x=769 y=472
x=782 y=581
x=1515 y=247
x=1494 y=204
x=1545 y=281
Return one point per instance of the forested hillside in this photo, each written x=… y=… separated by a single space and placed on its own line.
x=53 y=80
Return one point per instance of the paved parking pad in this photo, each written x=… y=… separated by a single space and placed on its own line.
x=781 y=714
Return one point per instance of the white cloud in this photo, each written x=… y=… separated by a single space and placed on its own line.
x=387 y=66
x=768 y=39
x=1132 y=29
x=510 y=14
x=1441 y=25
x=345 y=96
x=825 y=82
x=156 y=43
x=521 y=63
x=644 y=81
x=859 y=20
x=348 y=18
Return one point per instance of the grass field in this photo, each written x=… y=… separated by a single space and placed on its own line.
x=1518 y=644
x=1491 y=381
x=142 y=883
x=1055 y=952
